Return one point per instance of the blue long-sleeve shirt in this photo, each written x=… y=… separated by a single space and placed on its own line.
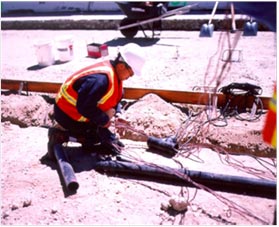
x=90 y=90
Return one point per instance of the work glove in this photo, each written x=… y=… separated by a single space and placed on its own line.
x=110 y=148
x=109 y=141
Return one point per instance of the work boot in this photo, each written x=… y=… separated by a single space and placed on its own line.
x=55 y=136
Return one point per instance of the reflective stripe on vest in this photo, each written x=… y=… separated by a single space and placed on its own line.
x=66 y=99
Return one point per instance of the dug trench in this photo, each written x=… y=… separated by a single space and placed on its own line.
x=155 y=117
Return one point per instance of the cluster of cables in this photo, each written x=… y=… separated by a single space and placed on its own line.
x=242 y=102
x=242 y=111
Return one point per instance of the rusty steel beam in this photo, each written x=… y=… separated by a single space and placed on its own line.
x=26 y=85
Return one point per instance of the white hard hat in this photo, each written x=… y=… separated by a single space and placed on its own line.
x=134 y=56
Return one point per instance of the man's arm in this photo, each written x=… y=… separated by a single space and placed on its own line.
x=90 y=90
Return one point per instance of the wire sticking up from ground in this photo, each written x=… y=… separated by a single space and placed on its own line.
x=197 y=125
x=232 y=206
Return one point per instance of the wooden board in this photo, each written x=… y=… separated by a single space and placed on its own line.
x=189 y=97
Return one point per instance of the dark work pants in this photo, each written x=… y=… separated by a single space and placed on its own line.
x=81 y=129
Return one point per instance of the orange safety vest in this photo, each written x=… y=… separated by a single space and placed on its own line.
x=269 y=130
x=66 y=98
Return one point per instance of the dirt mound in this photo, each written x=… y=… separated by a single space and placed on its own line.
x=153 y=116
x=26 y=111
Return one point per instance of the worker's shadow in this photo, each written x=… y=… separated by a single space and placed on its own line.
x=140 y=41
x=80 y=160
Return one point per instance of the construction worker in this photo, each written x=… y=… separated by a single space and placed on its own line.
x=89 y=99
